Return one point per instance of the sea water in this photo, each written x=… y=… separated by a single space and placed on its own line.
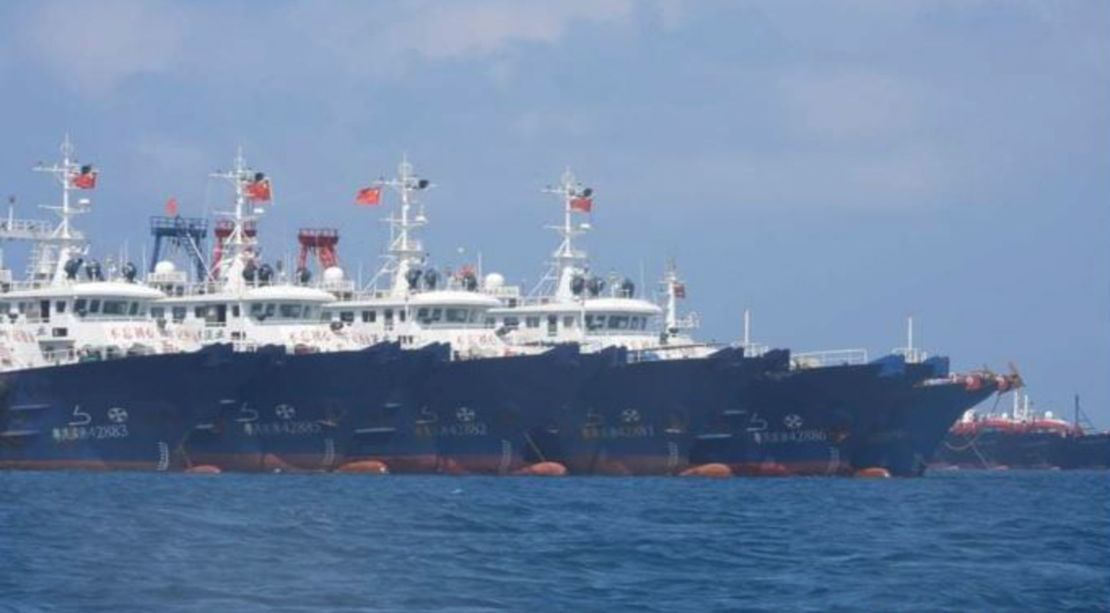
x=177 y=542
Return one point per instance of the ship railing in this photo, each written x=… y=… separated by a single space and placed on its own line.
x=342 y=286
x=753 y=350
x=177 y=277
x=368 y=294
x=25 y=229
x=59 y=357
x=505 y=292
x=603 y=332
x=833 y=357
x=912 y=355
x=240 y=346
x=35 y=284
x=671 y=352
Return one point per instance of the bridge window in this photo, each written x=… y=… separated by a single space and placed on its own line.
x=568 y=322
x=94 y=306
x=60 y=306
x=263 y=311
x=179 y=314
x=532 y=322
x=290 y=311
x=157 y=312
x=618 y=322
x=134 y=309
x=369 y=316
x=595 y=322
x=456 y=316
x=347 y=317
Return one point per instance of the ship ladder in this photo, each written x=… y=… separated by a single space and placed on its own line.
x=163 y=456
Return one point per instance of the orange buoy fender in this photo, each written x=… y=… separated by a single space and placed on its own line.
x=450 y=466
x=365 y=467
x=273 y=464
x=707 y=470
x=543 y=469
x=204 y=469
x=874 y=472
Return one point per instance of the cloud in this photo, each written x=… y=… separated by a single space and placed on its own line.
x=95 y=47
x=531 y=124
x=441 y=30
x=849 y=104
x=387 y=41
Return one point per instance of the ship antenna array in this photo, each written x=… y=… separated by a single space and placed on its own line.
x=406 y=251
x=65 y=172
x=53 y=244
x=240 y=240
x=566 y=260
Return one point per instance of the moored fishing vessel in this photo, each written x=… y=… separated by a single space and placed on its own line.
x=432 y=371
x=302 y=407
x=477 y=410
x=747 y=409
x=88 y=380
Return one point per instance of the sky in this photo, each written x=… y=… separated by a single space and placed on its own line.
x=833 y=166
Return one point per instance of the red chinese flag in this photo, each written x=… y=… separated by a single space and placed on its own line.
x=582 y=204
x=679 y=290
x=259 y=191
x=171 y=207
x=369 y=196
x=85 y=180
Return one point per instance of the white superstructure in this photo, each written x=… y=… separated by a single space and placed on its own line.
x=243 y=302
x=571 y=304
x=412 y=302
x=72 y=307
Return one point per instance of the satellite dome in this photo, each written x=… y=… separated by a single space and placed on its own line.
x=333 y=274
x=494 y=281
x=164 y=267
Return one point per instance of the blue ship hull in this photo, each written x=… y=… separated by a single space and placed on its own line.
x=755 y=416
x=837 y=420
x=127 y=413
x=480 y=416
x=303 y=412
x=418 y=412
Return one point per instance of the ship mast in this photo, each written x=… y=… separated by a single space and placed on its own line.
x=63 y=242
x=670 y=318
x=566 y=260
x=406 y=251
x=240 y=248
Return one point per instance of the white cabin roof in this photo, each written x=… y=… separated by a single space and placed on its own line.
x=454 y=297
x=267 y=293
x=429 y=298
x=288 y=292
x=90 y=289
x=591 y=305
